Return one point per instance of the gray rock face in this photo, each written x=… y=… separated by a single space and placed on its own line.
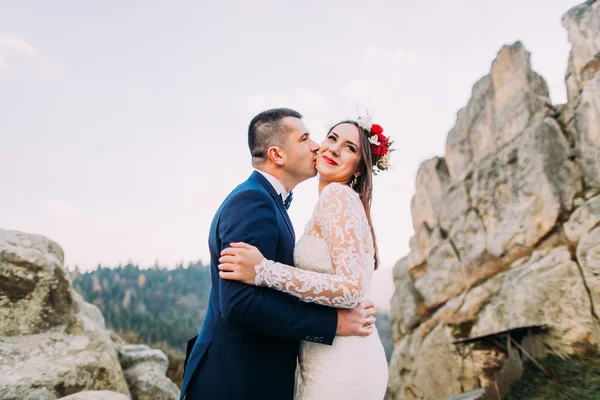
x=588 y=256
x=433 y=370
x=145 y=370
x=521 y=191
x=444 y=276
x=432 y=180
x=547 y=290
x=509 y=195
x=583 y=220
x=583 y=86
x=507 y=226
x=583 y=24
x=501 y=106
x=405 y=301
x=587 y=132
x=54 y=344
x=516 y=198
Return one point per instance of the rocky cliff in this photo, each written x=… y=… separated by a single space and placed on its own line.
x=54 y=344
x=507 y=226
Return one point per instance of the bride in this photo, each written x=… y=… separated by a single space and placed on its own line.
x=335 y=259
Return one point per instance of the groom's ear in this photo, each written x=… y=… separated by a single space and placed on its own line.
x=275 y=154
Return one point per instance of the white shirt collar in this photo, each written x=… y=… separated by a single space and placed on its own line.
x=278 y=186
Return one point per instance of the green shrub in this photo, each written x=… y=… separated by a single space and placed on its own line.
x=577 y=378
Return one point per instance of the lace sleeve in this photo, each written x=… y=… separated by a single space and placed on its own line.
x=339 y=218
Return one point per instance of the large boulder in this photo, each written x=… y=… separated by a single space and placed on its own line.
x=50 y=339
x=35 y=291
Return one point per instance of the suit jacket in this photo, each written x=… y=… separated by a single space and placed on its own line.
x=249 y=341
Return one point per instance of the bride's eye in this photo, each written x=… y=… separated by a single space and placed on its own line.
x=331 y=137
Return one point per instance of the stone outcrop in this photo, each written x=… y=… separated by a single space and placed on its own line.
x=145 y=372
x=52 y=343
x=507 y=225
x=583 y=25
x=583 y=85
x=502 y=105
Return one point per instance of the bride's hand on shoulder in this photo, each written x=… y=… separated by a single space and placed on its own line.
x=238 y=261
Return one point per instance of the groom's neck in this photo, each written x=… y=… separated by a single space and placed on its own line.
x=279 y=174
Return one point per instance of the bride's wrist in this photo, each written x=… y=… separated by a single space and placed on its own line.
x=262 y=271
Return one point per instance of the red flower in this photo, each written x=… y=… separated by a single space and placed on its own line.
x=376 y=129
x=382 y=149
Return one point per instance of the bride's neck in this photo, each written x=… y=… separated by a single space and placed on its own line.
x=322 y=184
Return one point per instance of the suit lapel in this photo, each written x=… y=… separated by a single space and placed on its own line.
x=257 y=177
x=286 y=217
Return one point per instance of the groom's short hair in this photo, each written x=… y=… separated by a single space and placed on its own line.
x=268 y=129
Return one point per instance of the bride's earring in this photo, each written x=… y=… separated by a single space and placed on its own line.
x=354 y=182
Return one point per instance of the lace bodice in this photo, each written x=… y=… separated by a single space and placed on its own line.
x=335 y=254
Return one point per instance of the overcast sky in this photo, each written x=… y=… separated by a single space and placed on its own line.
x=123 y=123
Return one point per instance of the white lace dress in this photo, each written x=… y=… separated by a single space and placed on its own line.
x=335 y=261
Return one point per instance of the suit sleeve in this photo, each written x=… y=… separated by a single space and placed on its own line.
x=251 y=216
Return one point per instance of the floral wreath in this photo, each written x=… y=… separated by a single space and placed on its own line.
x=381 y=146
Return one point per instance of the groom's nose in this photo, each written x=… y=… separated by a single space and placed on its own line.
x=314 y=146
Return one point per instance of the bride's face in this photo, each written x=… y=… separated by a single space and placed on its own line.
x=338 y=159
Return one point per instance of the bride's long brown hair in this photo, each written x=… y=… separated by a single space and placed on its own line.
x=364 y=183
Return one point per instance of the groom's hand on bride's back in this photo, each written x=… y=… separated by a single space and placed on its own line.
x=359 y=321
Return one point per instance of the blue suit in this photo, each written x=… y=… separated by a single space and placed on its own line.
x=248 y=344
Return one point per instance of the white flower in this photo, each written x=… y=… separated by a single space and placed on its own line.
x=374 y=140
x=366 y=122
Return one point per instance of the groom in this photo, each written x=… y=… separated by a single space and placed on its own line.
x=248 y=345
